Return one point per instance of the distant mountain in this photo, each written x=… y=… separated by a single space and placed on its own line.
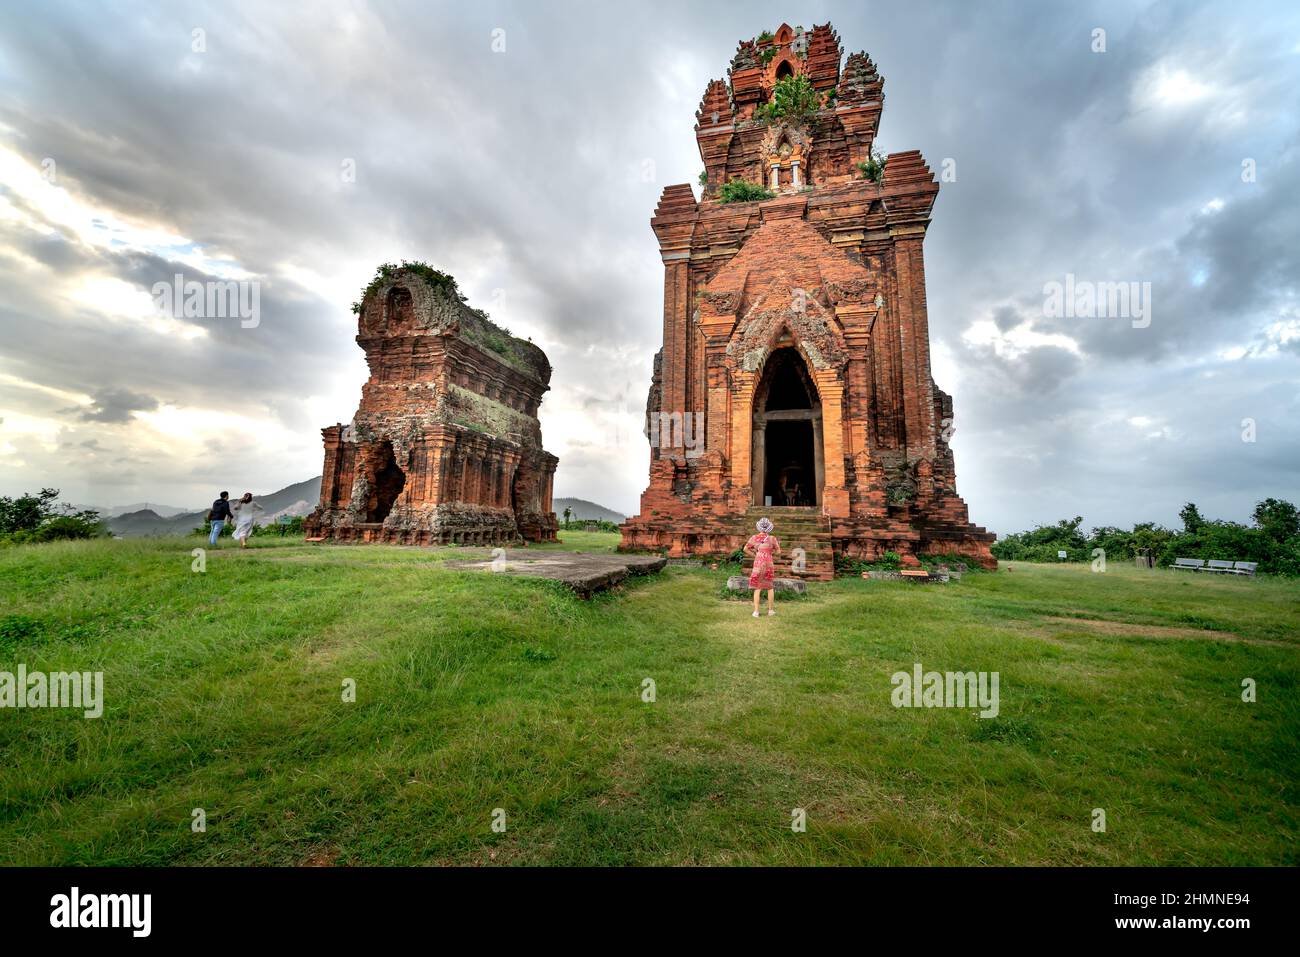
x=291 y=511
x=584 y=510
x=303 y=494
x=163 y=511
x=144 y=522
x=297 y=499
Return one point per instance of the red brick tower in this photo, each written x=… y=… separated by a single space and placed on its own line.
x=445 y=445
x=794 y=379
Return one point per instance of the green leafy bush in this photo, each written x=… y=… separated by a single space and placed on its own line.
x=580 y=524
x=793 y=98
x=205 y=529
x=888 y=562
x=874 y=168
x=934 y=559
x=1278 y=519
x=740 y=191
x=292 y=527
x=42 y=518
x=899 y=494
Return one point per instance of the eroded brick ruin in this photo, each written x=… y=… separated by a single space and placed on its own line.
x=796 y=338
x=445 y=446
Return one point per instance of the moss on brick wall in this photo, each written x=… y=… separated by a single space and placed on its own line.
x=482 y=414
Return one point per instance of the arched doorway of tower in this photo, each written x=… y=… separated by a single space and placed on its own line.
x=386 y=480
x=787 y=433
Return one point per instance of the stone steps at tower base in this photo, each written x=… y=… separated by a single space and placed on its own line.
x=797 y=527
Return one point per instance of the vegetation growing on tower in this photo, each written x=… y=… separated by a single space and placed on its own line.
x=793 y=98
x=740 y=191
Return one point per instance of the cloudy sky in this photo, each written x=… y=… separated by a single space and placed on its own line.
x=522 y=147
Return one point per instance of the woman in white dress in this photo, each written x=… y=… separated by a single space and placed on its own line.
x=245 y=514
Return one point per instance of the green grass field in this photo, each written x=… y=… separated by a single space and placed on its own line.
x=223 y=689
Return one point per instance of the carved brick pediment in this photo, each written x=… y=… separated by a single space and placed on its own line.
x=786 y=141
x=784 y=309
x=852 y=292
x=720 y=303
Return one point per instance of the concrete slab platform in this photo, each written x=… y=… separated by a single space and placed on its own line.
x=584 y=572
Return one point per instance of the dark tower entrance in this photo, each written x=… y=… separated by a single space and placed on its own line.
x=386 y=481
x=787 y=447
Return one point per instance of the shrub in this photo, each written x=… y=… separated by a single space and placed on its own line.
x=580 y=524
x=793 y=98
x=1043 y=542
x=740 y=191
x=206 y=529
x=874 y=168
x=1278 y=519
x=899 y=494
x=1285 y=558
x=889 y=562
x=68 y=527
x=945 y=558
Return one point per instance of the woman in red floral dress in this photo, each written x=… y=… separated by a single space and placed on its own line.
x=764 y=547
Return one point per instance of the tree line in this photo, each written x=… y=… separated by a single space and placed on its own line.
x=1273 y=540
x=43 y=518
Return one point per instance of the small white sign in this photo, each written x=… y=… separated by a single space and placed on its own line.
x=1060 y=554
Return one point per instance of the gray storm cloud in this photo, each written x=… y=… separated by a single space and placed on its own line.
x=530 y=172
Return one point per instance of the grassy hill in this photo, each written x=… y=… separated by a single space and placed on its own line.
x=474 y=692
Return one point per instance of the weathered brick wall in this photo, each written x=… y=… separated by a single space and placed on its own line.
x=451 y=405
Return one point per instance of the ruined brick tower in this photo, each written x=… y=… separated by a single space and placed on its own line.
x=446 y=446
x=795 y=368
